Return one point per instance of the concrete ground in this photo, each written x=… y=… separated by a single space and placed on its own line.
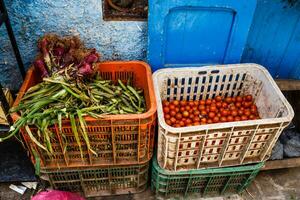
x=280 y=184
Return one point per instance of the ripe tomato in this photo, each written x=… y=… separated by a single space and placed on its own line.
x=238 y=104
x=177 y=109
x=213 y=101
x=247 y=112
x=234 y=113
x=203 y=112
x=185 y=113
x=224 y=113
x=175 y=103
x=247 y=104
x=237 y=118
x=196 y=113
x=173 y=120
x=219 y=115
x=165 y=103
x=230 y=118
x=204 y=120
x=203 y=123
x=187 y=108
x=182 y=103
x=232 y=107
x=216 y=119
x=196 y=119
x=191 y=103
x=249 y=98
x=219 y=104
x=252 y=117
x=240 y=112
x=253 y=110
x=211 y=115
x=178 y=116
x=168 y=122
x=181 y=123
x=196 y=103
x=196 y=123
x=224 y=105
x=201 y=107
x=166 y=109
x=228 y=100
x=223 y=119
x=191 y=111
x=167 y=116
x=239 y=99
x=202 y=102
x=172 y=107
x=233 y=99
x=209 y=121
x=182 y=109
x=191 y=116
x=208 y=102
x=213 y=108
x=188 y=121
x=218 y=98
x=172 y=113
x=244 y=117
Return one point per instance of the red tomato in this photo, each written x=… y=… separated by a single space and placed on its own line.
x=230 y=118
x=219 y=104
x=191 y=111
x=187 y=108
x=204 y=120
x=172 y=113
x=188 y=121
x=249 y=97
x=247 y=112
x=182 y=103
x=178 y=116
x=252 y=117
x=240 y=112
x=191 y=103
x=172 y=107
x=211 y=115
x=177 y=109
x=196 y=119
x=224 y=113
x=244 y=117
x=238 y=104
x=182 y=109
x=181 y=123
x=224 y=105
x=232 y=107
x=208 y=102
x=196 y=113
x=191 y=116
x=203 y=112
x=196 y=103
x=216 y=119
x=213 y=108
x=173 y=120
x=234 y=113
x=185 y=113
x=239 y=99
x=237 y=118
x=223 y=119
x=202 y=102
x=201 y=107
x=218 y=98
x=219 y=115
x=196 y=123
x=165 y=103
x=175 y=103
x=167 y=116
x=166 y=109
x=168 y=122
x=209 y=121
x=233 y=99
x=228 y=100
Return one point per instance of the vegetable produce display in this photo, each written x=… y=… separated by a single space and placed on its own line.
x=192 y=113
x=71 y=89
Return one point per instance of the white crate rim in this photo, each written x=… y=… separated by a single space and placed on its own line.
x=160 y=114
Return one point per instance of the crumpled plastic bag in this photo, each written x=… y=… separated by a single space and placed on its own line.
x=57 y=195
x=277 y=151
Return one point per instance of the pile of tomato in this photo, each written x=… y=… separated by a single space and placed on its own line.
x=218 y=110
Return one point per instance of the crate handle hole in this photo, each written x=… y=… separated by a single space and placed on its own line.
x=215 y=71
x=202 y=72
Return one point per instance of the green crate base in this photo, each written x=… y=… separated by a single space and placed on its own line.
x=102 y=181
x=206 y=182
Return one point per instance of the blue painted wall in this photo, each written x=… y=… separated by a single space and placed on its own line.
x=32 y=18
x=274 y=38
x=273 y=41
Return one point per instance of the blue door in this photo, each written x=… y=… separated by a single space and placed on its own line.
x=197 y=32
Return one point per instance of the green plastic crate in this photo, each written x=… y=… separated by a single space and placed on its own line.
x=210 y=182
x=100 y=181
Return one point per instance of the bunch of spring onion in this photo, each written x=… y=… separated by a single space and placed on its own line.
x=70 y=94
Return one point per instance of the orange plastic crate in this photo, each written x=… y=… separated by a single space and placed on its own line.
x=118 y=139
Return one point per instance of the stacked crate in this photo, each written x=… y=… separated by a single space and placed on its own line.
x=191 y=159
x=123 y=143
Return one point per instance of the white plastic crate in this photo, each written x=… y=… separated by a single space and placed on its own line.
x=222 y=144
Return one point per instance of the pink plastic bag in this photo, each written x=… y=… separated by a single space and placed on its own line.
x=57 y=195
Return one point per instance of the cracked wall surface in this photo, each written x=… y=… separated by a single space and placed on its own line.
x=30 y=19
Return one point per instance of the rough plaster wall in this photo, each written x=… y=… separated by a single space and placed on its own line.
x=32 y=18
